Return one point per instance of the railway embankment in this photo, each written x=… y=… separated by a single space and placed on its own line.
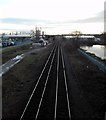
x=88 y=87
x=99 y=64
x=85 y=84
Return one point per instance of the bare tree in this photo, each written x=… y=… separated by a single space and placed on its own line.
x=77 y=34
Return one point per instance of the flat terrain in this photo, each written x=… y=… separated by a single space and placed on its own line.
x=87 y=89
x=86 y=84
x=18 y=83
x=11 y=52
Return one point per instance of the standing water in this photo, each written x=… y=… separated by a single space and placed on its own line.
x=98 y=50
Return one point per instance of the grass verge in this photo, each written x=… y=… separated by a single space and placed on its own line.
x=11 y=52
x=19 y=82
x=89 y=77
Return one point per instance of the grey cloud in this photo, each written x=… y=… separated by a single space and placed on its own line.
x=97 y=18
x=50 y=24
x=23 y=21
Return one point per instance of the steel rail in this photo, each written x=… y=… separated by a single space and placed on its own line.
x=56 y=86
x=45 y=85
x=68 y=103
x=37 y=82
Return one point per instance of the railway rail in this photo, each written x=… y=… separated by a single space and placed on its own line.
x=49 y=99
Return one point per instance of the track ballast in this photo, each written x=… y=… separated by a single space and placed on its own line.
x=49 y=99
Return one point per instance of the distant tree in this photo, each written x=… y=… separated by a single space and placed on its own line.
x=3 y=34
x=103 y=37
x=76 y=41
x=16 y=33
x=32 y=33
x=76 y=33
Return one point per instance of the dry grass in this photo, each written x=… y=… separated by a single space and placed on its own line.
x=90 y=78
x=19 y=82
x=9 y=53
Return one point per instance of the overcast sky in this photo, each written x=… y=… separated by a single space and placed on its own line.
x=53 y=16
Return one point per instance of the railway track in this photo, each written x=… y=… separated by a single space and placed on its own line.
x=49 y=99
